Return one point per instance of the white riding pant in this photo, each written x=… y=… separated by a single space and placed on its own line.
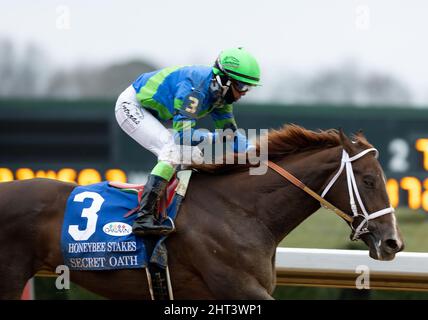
x=144 y=128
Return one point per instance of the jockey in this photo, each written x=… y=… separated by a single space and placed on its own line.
x=182 y=94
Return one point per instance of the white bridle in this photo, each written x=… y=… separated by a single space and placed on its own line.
x=352 y=188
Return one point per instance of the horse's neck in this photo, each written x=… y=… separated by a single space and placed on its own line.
x=281 y=206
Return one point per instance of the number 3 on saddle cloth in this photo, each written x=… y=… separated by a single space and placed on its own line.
x=97 y=229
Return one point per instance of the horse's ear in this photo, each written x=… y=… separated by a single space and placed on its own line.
x=346 y=142
x=360 y=134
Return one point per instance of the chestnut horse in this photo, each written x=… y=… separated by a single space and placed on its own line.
x=228 y=227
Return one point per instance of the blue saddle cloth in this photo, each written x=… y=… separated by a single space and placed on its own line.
x=96 y=235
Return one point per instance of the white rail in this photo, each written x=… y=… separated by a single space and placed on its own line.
x=340 y=268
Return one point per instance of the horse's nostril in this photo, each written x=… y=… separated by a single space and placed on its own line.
x=392 y=244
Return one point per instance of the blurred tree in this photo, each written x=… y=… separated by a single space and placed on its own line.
x=23 y=75
x=335 y=86
x=7 y=66
x=384 y=89
x=113 y=79
x=62 y=85
x=89 y=82
x=32 y=73
x=346 y=84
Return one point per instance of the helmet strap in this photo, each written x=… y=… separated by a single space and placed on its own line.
x=226 y=93
x=229 y=97
x=225 y=87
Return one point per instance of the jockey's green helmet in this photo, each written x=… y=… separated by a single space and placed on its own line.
x=238 y=64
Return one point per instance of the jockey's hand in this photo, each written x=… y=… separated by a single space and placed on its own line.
x=250 y=148
x=197 y=155
x=190 y=155
x=196 y=137
x=241 y=143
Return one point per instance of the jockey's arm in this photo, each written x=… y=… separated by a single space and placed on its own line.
x=224 y=120
x=186 y=106
x=185 y=133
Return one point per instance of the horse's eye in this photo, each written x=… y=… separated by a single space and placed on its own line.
x=369 y=181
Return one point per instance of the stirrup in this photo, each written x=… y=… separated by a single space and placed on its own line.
x=161 y=231
x=150 y=227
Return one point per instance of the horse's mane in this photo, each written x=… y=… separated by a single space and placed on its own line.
x=288 y=140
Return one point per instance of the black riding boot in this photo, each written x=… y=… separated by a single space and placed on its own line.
x=146 y=223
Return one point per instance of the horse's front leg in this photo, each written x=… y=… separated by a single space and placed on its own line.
x=257 y=294
x=238 y=291
x=236 y=285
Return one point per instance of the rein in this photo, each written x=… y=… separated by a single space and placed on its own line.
x=287 y=175
x=352 y=188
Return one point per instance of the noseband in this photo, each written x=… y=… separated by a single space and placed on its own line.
x=352 y=189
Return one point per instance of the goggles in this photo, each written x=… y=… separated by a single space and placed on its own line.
x=241 y=86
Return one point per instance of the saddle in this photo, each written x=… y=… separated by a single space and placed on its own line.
x=163 y=203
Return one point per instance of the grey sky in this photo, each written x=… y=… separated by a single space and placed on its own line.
x=299 y=35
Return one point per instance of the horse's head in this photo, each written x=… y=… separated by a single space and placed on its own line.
x=359 y=190
x=355 y=188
